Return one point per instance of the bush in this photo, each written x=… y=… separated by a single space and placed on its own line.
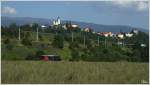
x=26 y=42
x=30 y=57
x=73 y=45
x=58 y=41
x=9 y=46
x=75 y=55
x=7 y=41
x=40 y=52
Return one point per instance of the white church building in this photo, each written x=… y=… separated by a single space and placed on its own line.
x=56 y=22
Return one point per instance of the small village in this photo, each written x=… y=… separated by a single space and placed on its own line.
x=120 y=35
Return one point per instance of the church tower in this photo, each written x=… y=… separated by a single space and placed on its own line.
x=58 y=20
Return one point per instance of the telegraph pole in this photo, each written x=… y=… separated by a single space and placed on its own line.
x=72 y=36
x=98 y=41
x=122 y=43
x=84 y=40
x=19 y=34
x=118 y=41
x=37 y=35
x=105 y=42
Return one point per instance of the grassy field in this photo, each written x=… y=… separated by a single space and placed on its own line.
x=73 y=72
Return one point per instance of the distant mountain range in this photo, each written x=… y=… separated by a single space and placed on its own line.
x=6 y=21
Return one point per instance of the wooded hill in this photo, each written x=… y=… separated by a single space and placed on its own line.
x=70 y=44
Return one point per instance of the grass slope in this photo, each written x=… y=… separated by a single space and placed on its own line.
x=73 y=72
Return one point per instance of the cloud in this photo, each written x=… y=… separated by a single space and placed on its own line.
x=8 y=10
x=138 y=5
x=142 y=6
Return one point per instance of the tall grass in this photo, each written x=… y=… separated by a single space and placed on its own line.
x=73 y=72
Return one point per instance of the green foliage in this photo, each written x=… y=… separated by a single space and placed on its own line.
x=40 y=52
x=27 y=40
x=74 y=55
x=7 y=41
x=25 y=72
x=9 y=46
x=41 y=37
x=61 y=44
x=73 y=45
x=58 y=41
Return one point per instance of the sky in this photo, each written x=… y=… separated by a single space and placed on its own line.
x=130 y=13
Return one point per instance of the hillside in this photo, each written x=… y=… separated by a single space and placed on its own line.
x=97 y=27
x=72 y=45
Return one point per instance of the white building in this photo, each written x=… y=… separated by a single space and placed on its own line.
x=106 y=34
x=74 y=25
x=43 y=26
x=129 y=34
x=93 y=32
x=135 y=31
x=121 y=36
x=64 y=26
x=56 y=22
x=87 y=29
x=143 y=45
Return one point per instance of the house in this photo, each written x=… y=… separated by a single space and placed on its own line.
x=43 y=26
x=65 y=27
x=93 y=32
x=87 y=29
x=120 y=35
x=143 y=45
x=106 y=34
x=69 y=25
x=135 y=31
x=119 y=43
x=50 y=57
x=74 y=25
x=129 y=34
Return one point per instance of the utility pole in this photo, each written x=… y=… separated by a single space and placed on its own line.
x=98 y=41
x=122 y=42
x=72 y=36
x=19 y=34
x=105 y=42
x=118 y=41
x=84 y=40
x=37 y=35
x=56 y=33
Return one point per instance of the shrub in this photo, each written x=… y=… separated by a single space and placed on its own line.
x=58 y=41
x=26 y=42
x=7 y=41
x=75 y=55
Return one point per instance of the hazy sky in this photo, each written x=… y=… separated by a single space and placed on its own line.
x=131 y=13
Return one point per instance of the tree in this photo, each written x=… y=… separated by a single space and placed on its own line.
x=41 y=37
x=27 y=40
x=40 y=52
x=73 y=45
x=7 y=41
x=74 y=55
x=58 y=41
x=13 y=26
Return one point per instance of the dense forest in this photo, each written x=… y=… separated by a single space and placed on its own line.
x=71 y=44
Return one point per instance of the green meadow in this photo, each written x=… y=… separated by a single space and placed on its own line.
x=64 y=72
